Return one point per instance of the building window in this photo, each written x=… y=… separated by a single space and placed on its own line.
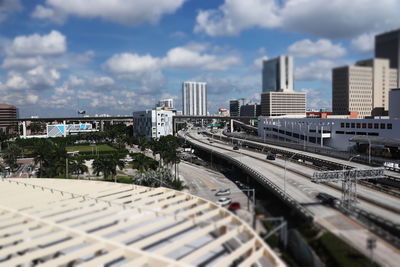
x=376 y=125
x=383 y=126
x=358 y=125
x=342 y=125
x=347 y=125
x=369 y=125
x=364 y=125
x=389 y=126
x=353 y=125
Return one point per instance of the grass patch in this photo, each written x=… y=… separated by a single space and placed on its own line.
x=88 y=148
x=335 y=252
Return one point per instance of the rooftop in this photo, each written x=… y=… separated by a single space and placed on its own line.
x=59 y=221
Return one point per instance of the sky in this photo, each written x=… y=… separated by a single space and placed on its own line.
x=119 y=56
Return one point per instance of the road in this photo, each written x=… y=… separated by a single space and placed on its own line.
x=304 y=191
x=312 y=189
x=204 y=183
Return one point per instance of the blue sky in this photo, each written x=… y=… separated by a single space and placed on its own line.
x=118 y=56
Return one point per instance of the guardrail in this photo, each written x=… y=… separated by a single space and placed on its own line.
x=375 y=161
x=322 y=164
x=306 y=214
x=385 y=229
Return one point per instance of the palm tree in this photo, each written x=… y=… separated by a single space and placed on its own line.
x=143 y=163
x=77 y=166
x=11 y=155
x=107 y=165
x=51 y=157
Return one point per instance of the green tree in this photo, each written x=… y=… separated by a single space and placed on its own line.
x=77 y=166
x=11 y=155
x=143 y=163
x=36 y=127
x=107 y=165
x=51 y=156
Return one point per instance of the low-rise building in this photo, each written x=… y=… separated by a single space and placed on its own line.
x=250 y=110
x=153 y=123
x=334 y=133
x=283 y=103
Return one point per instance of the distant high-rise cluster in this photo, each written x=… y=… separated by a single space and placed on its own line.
x=194 y=98
x=278 y=97
x=365 y=87
x=166 y=103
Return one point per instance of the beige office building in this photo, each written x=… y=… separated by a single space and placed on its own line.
x=283 y=103
x=363 y=88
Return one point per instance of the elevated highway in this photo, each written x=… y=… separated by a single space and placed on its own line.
x=300 y=190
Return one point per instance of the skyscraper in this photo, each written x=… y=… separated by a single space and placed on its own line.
x=363 y=88
x=194 y=98
x=278 y=97
x=277 y=74
x=387 y=45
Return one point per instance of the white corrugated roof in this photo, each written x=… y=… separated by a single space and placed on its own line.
x=55 y=222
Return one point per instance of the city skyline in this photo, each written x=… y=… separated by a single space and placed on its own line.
x=120 y=57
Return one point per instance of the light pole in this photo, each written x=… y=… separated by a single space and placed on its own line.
x=284 y=175
x=369 y=151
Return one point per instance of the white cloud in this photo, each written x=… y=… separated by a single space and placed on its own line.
x=131 y=63
x=8 y=7
x=53 y=43
x=42 y=12
x=22 y=62
x=315 y=70
x=236 y=15
x=17 y=82
x=332 y=19
x=32 y=99
x=323 y=48
x=191 y=57
x=128 y=12
x=103 y=81
x=258 y=62
x=317 y=99
x=74 y=81
x=364 y=43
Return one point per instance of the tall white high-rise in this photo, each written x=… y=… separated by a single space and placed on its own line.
x=194 y=98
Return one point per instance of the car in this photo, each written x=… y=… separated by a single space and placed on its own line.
x=223 y=201
x=235 y=148
x=328 y=199
x=271 y=157
x=223 y=192
x=211 y=142
x=234 y=206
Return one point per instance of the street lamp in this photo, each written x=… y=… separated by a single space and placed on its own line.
x=369 y=151
x=284 y=175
